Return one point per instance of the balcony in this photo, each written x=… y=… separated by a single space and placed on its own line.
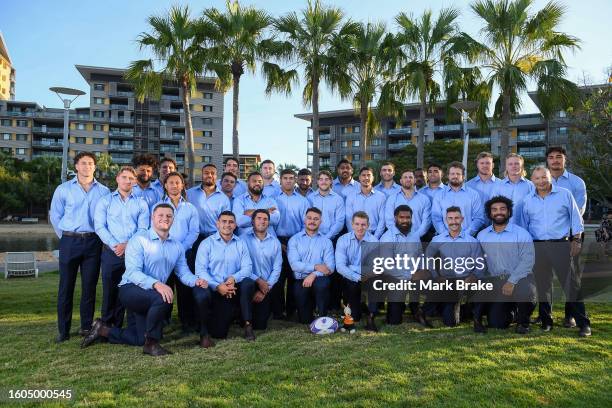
x=171 y=97
x=36 y=154
x=447 y=128
x=47 y=144
x=173 y=110
x=121 y=160
x=481 y=140
x=532 y=137
x=171 y=123
x=123 y=121
x=173 y=136
x=120 y=147
x=399 y=146
x=122 y=93
x=48 y=130
x=120 y=133
x=118 y=106
x=169 y=149
x=400 y=131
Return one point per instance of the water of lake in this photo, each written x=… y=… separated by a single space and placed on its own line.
x=29 y=242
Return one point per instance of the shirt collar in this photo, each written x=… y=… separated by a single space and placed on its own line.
x=565 y=174
x=330 y=193
x=251 y=232
x=217 y=237
x=508 y=181
x=303 y=233
x=337 y=181
x=461 y=234
x=75 y=180
x=116 y=193
x=509 y=228
x=153 y=235
x=448 y=187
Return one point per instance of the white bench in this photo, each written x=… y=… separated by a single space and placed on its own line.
x=20 y=264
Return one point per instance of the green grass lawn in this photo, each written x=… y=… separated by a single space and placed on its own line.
x=288 y=366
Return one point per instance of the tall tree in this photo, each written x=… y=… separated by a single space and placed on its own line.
x=237 y=39
x=428 y=46
x=518 y=46
x=172 y=42
x=308 y=38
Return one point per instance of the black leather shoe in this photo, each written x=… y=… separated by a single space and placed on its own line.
x=93 y=334
x=62 y=338
x=569 y=322
x=83 y=332
x=371 y=324
x=546 y=327
x=520 y=329
x=153 y=348
x=536 y=320
x=479 y=327
x=585 y=331
x=249 y=334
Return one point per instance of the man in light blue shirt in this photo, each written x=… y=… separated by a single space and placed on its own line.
x=510 y=257
x=304 y=183
x=227 y=185
x=72 y=216
x=553 y=219
x=167 y=165
x=245 y=204
x=271 y=187
x=311 y=257
x=434 y=181
x=145 y=165
x=456 y=194
x=231 y=165
x=344 y=183
x=365 y=198
x=485 y=180
x=209 y=200
x=460 y=255
x=348 y=265
x=150 y=257
x=514 y=186
x=418 y=202
x=267 y=261
x=331 y=205
x=223 y=260
x=387 y=185
x=118 y=217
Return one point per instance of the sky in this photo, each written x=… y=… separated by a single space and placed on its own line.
x=46 y=39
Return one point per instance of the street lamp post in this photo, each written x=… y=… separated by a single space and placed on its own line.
x=67 y=102
x=464 y=107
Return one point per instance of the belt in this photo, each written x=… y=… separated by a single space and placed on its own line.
x=564 y=239
x=78 y=234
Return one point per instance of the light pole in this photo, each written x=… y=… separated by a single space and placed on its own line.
x=67 y=102
x=464 y=107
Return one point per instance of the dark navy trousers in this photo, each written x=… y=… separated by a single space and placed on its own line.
x=113 y=268
x=319 y=291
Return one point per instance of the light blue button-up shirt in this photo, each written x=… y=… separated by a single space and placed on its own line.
x=332 y=207
x=421 y=210
x=245 y=202
x=552 y=217
x=342 y=189
x=309 y=193
x=266 y=257
x=208 y=208
x=116 y=220
x=186 y=226
x=432 y=192
x=240 y=187
x=509 y=252
x=516 y=192
x=373 y=204
x=293 y=210
x=72 y=209
x=393 y=243
x=149 y=194
x=388 y=191
x=468 y=200
x=149 y=259
x=348 y=255
x=304 y=252
x=157 y=185
x=484 y=188
x=462 y=246
x=217 y=260
x=576 y=186
x=273 y=189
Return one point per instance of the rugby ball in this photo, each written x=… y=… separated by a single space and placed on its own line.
x=324 y=325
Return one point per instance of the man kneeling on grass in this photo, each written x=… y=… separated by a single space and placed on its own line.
x=150 y=258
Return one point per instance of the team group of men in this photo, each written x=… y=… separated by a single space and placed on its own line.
x=263 y=248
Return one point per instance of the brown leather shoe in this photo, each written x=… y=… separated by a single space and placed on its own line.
x=153 y=348
x=206 y=342
x=93 y=334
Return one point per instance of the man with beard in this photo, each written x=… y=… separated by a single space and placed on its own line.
x=456 y=194
x=304 y=183
x=457 y=246
x=311 y=257
x=268 y=170
x=331 y=205
x=167 y=165
x=420 y=178
x=553 y=219
x=210 y=201
x=118 y=217
x=150 y=258
x=434 y=181
x=365 y=198
x=485 y=180
x=417 y=201
x=514 y=186
x=246 y=204
x=145 y=164
x=344 y=183
x=400 y=240
x=387 y=185
x=224 y=262
x=227 y=185
x=510 y=257
x=231 y=165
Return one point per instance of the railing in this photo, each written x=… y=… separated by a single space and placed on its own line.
x=532 y=137
x=173 y=110
x=167 y=149
x=174 y=136
x=117 y=106
x=120 y=147
x=121 y=160
x=171 y=123
x=121 y=93
x=46 y=154
x=482 y=140
x=40 y=129
x=42 y=114
x=531 y=154
x=447 y=128
x=171 y=97
x=398 y=146
x=122 y=120
x=39 y=143
x=115 y=133
x=400 y=131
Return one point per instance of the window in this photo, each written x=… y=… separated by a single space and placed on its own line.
x=22 y=137
x=5 y=122
x=6 y=136
x=99 y=101
x=98 y=127
x=355 y=143
x=207 y=121
x=207 y=133
x=377 y=142
x=98 y=141
x=562 y=114
x=206 y=159
x=81 y=126
x=356 y=157
x=98 y=87
x=563 y=131
x=349 y=129
x=98 y=114
x=344 y=144
x=207 y=95
x=21 y=151
x=81 y=140
x=207 y=108
x=207 y=146
x=22 y=123
x=6 y=150
x=377 y=156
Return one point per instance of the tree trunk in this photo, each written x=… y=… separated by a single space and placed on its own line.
x=421 y=135
x=504 y=133
x=364 y=132
x=190 y=159
x=315 y=126
x=235 y=139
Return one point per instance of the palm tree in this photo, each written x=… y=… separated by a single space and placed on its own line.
x=308 y=37
x=428 y=47
x=518 y=46
x=173 y=45
x=237 y=42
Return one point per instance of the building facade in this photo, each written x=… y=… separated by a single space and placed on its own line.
x=247 y=163
x=117 y=123
x=7 y=73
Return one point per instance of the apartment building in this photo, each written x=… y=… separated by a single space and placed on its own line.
x=247 y=163
x=7 y=73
